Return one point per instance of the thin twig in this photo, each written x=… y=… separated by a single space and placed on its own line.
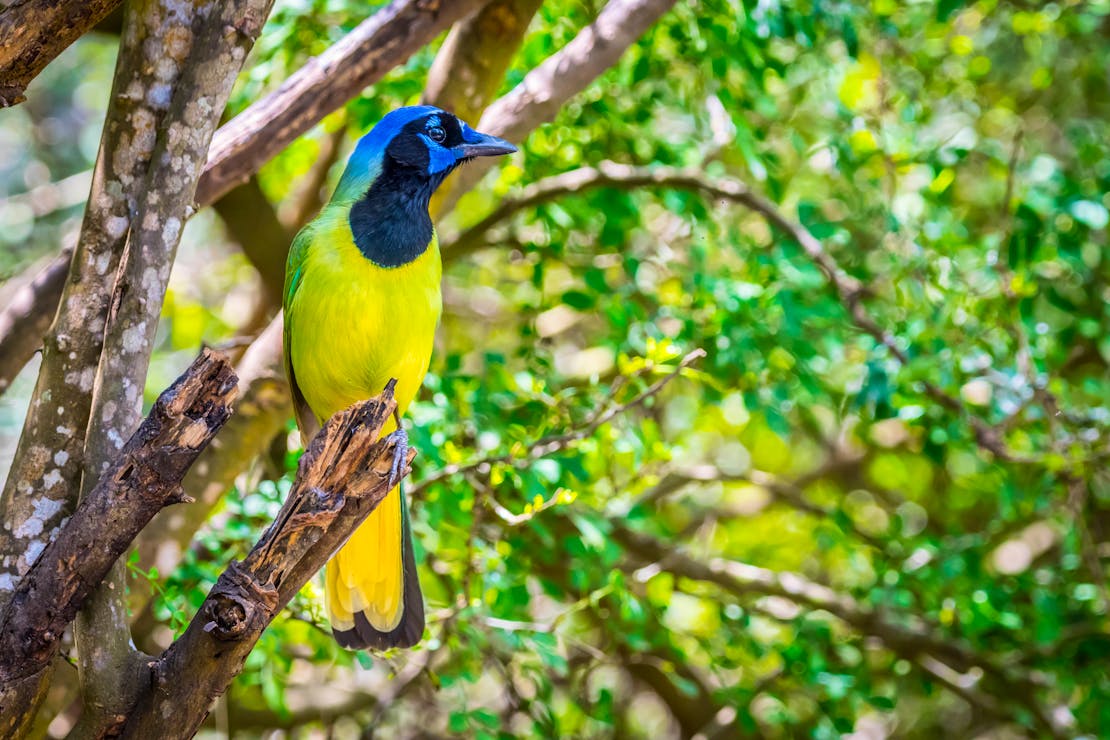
x=550 y=445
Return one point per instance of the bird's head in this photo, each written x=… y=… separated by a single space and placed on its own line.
x=415 y=148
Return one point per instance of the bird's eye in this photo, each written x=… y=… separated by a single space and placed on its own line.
x=437 y=134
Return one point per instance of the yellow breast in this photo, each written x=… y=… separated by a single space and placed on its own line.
x=354 y=325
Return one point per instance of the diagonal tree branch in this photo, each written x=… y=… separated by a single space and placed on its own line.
x=264 y=405
x=326 y=82
x=550 y=445
x=145 y=477
x=342 y=477
x=36 y=31
x=540 y=95
x=24 y=321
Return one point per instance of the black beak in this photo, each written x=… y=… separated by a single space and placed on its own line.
x=483 y=145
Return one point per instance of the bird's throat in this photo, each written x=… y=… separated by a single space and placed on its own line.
x=390 y=224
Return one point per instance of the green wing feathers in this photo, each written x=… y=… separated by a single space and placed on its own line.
x=294 y=274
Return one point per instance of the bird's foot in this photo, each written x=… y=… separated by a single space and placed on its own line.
x=400 y=440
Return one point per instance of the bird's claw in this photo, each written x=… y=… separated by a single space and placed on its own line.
x=400 y=440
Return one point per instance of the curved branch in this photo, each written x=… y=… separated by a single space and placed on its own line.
x=24 y=321
x=850 y=290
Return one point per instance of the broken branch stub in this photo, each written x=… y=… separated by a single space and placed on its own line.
x=144 y=478
x=341 y=479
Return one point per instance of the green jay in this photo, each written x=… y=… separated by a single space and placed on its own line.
x=362 y=301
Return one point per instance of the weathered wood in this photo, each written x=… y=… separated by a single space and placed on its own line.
x=144 y=478
x=342 y=477
x=36 y=31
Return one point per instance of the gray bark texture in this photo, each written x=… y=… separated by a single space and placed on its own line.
x=207 y=51
x=42 y=486
x=145 y=477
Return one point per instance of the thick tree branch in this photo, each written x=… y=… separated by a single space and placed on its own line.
x=24 y=321
x=342 y=477
x=42 y=486
x=538 y=98
x=36 y=31
x=211 y=46
x=326 y=82
x=145 y=477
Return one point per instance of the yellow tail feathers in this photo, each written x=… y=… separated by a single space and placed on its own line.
x=373 y=596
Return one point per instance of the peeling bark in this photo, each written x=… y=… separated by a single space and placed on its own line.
x=264 y=406
x=145 y=477
x=342 y=477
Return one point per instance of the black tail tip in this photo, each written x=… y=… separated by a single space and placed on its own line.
x=363 y=636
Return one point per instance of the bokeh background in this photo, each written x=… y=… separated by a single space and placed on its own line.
x=877 y=513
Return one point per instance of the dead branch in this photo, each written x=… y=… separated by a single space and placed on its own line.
x=145 y=478
x=36 y=31
x=342 y=477
x=540 y=95
x=264 y=405
x=326 y=82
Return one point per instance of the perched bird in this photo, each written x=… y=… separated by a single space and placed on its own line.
x=362 y=300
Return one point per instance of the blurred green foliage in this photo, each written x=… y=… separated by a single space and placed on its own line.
x=952 y=156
